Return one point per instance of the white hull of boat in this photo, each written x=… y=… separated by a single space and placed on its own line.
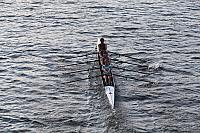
x=110 y=92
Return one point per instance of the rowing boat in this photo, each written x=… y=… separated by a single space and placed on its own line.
x=109 y=87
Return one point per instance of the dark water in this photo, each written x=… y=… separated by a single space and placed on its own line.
x=38 y=39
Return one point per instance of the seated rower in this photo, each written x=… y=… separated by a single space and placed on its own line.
x=103 y=54
x=103 y=57
x=106 y=67
x=102 y=47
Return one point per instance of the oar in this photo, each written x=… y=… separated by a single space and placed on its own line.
x=117 y=61
x=133 y=78
x=81 y=63
x=86 y=52
x=82 y=79
x=135 y=59
x=83 y=55
x=131 y=70
x=82 y=70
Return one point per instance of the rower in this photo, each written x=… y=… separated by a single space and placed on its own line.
x=106 y=67
x=103 y=57
x=102 y=47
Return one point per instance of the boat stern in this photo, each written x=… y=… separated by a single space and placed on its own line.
x=110 y=92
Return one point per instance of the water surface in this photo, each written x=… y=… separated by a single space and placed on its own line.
x=39 y=39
